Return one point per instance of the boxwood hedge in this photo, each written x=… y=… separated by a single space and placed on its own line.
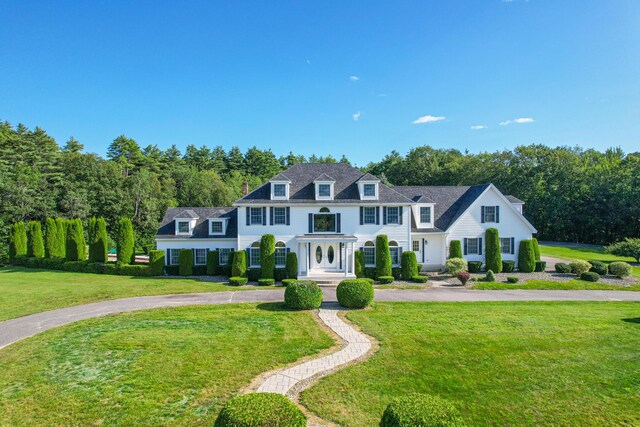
x=421 y=410
x=260 y=410
x=355 y=293
x=303 y=295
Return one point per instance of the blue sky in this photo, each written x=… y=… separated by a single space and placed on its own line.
x=330 y=77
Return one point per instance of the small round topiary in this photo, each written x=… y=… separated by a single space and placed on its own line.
x=455 y=265
x=421 y=410
x=490 y=277
x=563 y=268
x=475 y=266
x=385 y=280
x=420 y=279
x=303 y=295
x=512 y=279
x=287 y=282
x=238 y=281
x=579 y=266
x=354 y=293
x=540 y=266
x=599 y=267
x=620 y=269
x=590 y=276
x=259 y=410
x=266 y=282
x=368 y=279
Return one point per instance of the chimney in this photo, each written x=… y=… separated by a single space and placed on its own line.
x=245 y=188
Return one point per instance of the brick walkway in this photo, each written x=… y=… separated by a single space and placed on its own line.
x=357 y=345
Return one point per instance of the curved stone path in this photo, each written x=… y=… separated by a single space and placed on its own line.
x=23 y=327
x=357 y=345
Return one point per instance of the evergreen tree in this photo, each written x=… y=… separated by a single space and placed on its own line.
x=51 y=236
x=35 y=244
x=125 y=241
x=383 y=256
x=97 y=233
x=76 y=249
x=493 y=257
x=267 y=256
x=61 y=227
x=18 y=240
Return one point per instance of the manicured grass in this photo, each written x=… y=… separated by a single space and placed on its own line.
x=25 y=290
x=591 y=253
x=537 y=363
x=547 y=284
x=164 y=367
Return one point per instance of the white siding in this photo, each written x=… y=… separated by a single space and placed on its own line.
x=210 y=244
x=469 y=225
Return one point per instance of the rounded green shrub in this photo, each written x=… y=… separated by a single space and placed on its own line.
x=385 y=280
x=475 y=266
x=455 y=265
x=213 y=258
x=599 y=267
x=589 y=276
x=408 y=265
x=383 y=256
x=508 y=266
x=185 y=262
x=266 y=282
x=287 y=282
x=238 y=281
x=291 y=265
x=359 y=264
x=455 y=249
x=253 y=274
x=303 y=295
x=355 y=293
x=368 y=279
x=536 y=248
x=540 y=266
x=562 y=268
x=421 y=410
x=239 y=264
x=125 y=241
x=17 y=240
x=267 y=256
x=620 y=269
x=579 y=266
x=76 y=249
x=420 y=279
x=35 y=244
x=526 y=257
x=493 y=257
x=512 y=279
x=260 y=410
x=490 y=277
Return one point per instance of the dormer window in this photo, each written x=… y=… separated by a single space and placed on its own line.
x=324 y=190
x=185 y=222
x=369 y=190
x=280 y=187
x=184 y=227
x=425 y=214
x=324 y=187
x=279 y=190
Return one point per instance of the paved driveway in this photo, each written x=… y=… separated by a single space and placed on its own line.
x=27 y=326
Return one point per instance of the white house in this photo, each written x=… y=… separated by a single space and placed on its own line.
x=325 y=212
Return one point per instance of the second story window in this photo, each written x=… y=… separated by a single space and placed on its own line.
x=490 y=214
x=256 y=216
x=425 y=214
x=369 y=215
x=324 y=190
x=324 y=222
x=369 y=190
x=216 y=227
x=279 y=216
x=183 y=227
x=279 y=190
x=393 y=215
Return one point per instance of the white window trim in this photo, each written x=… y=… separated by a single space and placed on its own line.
x=361 y=185
x=396 y=248
x=224 y=226
x=413 y=245
x=286 y=190
x=364 y=215
x=373 y=248
x=275 y=216
x=397 y=208
x=318 y=184
x=177 y=257
x=477 y=252
x=220 y=255
x=510 y=248
x=251 y=216
x=251 y=249
x=195 y=256
x=485 y=214
x=430 y=214
x=182 y=233
x=281 y=248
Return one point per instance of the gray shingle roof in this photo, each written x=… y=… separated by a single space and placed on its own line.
x=280 y=177
x=167 y=229
x=324 y=177
x=302 y=189
x=187 y=213
x=513 y=199
x=450 y=202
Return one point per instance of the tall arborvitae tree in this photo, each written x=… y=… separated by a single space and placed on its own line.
x=383 y=256
x=17 y=240
x=61 y=227
x=97 y=233
x=35 y=244
x=76 y=245
x=125 y=241
x=51 y=236
x=493 y=257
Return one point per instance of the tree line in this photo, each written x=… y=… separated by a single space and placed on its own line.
x=571 y=194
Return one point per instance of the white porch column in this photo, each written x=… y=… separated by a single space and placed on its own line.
x=306 y=257
x=299 y=254
x=346 y=259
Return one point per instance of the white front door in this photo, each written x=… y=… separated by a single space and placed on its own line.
x=324 y=256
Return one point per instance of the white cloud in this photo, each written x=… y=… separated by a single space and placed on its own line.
x=354 y=78
x=478 y=127
x=356 y=116
x=427 y=119
x=521 y=120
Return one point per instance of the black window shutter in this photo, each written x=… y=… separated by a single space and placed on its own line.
x=513 y=245
x=288 y=215
x=168 y=257
x=465 y=245
x=270 y=215
x=497 y=213
x=481 y=213
x=264 y=215
x=248 y=216
x=338 y=223
x=361 y=215
x=384 y=215
x=310 y=223
x=400 y=215
x=480 y=246
x=422 y=251
x=377 y=215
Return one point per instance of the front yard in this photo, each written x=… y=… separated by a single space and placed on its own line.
x=538 y=363
x=165 y=367
x=25 y=290
x=585 y=252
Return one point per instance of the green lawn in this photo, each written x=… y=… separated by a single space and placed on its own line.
x=538 y=363
x=25 y=291
x=547 y=284
x=592 y=253
x=173 y=366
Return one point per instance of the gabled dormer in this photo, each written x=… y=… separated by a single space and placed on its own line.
x=369 y=187
x=218 y=226
x=280 y=187
x=185 y=222
x=324 y=187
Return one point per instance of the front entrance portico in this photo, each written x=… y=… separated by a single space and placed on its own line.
x=325 y=256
